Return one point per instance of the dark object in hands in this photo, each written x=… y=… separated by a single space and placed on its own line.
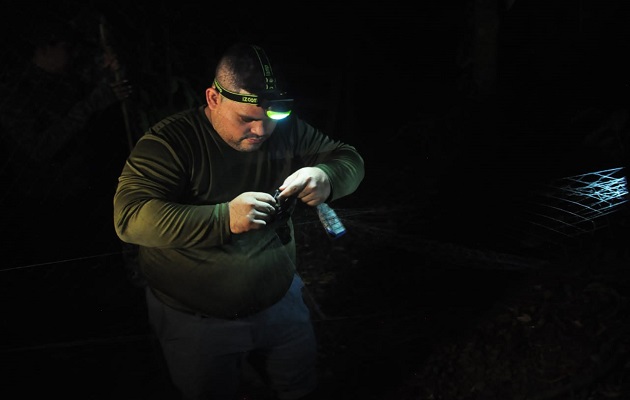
x=284 y=207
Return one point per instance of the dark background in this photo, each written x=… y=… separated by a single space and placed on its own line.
x=513 y=79
x=460 y=108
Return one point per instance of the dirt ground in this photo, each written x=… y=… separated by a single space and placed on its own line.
x=408 y=322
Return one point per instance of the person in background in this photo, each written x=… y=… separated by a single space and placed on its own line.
x=216 y=248
x=55 y=158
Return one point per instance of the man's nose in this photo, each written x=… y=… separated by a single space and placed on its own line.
x=259 y=128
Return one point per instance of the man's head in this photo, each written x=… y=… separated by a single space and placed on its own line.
x=245 y=101
x=55 y=46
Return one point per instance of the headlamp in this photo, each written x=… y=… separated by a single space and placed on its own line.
x=276 y=105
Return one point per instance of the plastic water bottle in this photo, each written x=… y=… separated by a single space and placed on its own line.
x=328 y=217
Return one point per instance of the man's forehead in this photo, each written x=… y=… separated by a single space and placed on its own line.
x=245 y=110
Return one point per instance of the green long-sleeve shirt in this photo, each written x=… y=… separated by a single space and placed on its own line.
x=172 y=200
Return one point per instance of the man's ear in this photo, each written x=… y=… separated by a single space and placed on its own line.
x=212 y=97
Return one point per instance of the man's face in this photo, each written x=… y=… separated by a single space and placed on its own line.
x=244 y=127
x=56 y=57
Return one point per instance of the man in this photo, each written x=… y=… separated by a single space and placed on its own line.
x=55 y=158
x=215 y=247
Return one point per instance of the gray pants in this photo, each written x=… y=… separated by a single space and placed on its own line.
x=205 y=355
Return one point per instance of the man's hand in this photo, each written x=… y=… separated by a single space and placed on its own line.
x=121 y=89
x=250 y=210
x=310 y=184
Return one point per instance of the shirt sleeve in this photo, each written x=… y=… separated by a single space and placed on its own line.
x=148 y=206
x=340 y=161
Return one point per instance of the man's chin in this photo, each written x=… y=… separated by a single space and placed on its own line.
x=250 y=144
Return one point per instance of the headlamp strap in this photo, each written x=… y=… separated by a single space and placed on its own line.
x=270 y=80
